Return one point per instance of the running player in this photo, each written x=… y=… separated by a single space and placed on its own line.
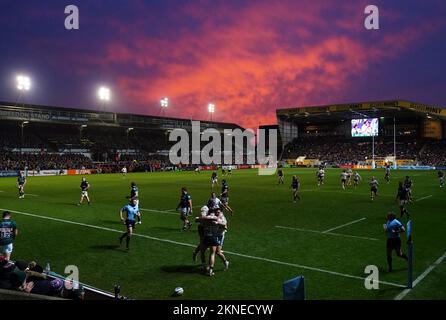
x=343 y=179
x=403 y=197
x=134 y=193
x=132 y=211
x=373 y=188
x=84 y=191
x=21 y=182
x=8 y=232
x=124 y=172
x=280 y=177
x=408 y=185
x=229 y=171
x=349 y=176
x=214 y=179
x=441 y=178
x=320 y=176
x=224 y=197
x=223 y=171
x=295 y=184
x=356 y=179
x=393 y=228
x=387 y=175
x=185 y=206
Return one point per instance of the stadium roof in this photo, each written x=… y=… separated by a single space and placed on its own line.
x=334 y=112
x=73 y=116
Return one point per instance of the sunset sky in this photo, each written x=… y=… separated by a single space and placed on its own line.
x=248 y=57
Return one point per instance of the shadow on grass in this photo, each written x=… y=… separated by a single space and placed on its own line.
x=182 y=269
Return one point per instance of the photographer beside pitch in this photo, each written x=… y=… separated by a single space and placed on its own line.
x=393 y=229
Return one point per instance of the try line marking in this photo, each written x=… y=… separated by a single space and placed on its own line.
x=426 y=197
x=194 y=245
x=421 y=277
x=327 y=233
x=344 y=225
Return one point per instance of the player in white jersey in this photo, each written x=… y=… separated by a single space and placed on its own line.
x=349 y=176
x=373 y=188
x=124 y=172
x=343 y=179
x=356 y=179
x=320 y=177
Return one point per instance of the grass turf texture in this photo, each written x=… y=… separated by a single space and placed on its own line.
x=153 y=268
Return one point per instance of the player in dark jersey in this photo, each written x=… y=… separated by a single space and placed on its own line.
x=280 y=177
x=373 y=188
x=441 y=178
x=214 y=179
x=185 y=206
x=408 y=185
x=200 y=228
x=132 y=211
x=223 y=171
x=387 y=174
x=295 y=185
x=224 y=197
x=8 y=233
x=21 y=182
x=402 y=198
x=229 y=171
x=84 y=191
x=134 y=193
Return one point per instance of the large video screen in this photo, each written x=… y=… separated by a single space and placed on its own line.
x=365 y=127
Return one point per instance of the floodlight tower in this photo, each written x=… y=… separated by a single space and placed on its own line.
x=23 y=85
x=211 y=109
x=104 y=96
x=164 y=103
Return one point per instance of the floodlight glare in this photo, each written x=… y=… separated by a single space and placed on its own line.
x=104 y=93
x=23 y=83
x=211 y=108
x=164 y=102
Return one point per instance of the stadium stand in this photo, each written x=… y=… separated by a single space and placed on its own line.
x=412 y=132
x=51 y=138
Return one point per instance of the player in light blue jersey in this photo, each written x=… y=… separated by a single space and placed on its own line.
x=393 y=228
x=132 y=212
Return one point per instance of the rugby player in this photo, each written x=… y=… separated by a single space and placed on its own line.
x=21 y=182
x=403 y=197
x=84 y=191
x=280 y=177
x=132 y=211
x=393 y=228
x=387 y=175
x=441 y=178
x=214 y=179
x=134 y=193
x=295 y=184
x=8 y=233
x=224 y=197
x=320 y=176
x=373 y=188
x=204 y=211
x=408 y=185
x=343 y=179
x=356 y=179
x=185 y=206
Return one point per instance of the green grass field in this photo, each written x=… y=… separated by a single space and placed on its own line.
x=270 y=238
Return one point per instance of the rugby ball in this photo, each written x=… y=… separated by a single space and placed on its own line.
x=178 y=291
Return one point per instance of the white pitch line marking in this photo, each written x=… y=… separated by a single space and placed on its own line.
x=194 y=245
x=159 y=211
x=328 y=233
x=426 y=197
x=31 y=194
x=343 y=225
x=421 y=277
